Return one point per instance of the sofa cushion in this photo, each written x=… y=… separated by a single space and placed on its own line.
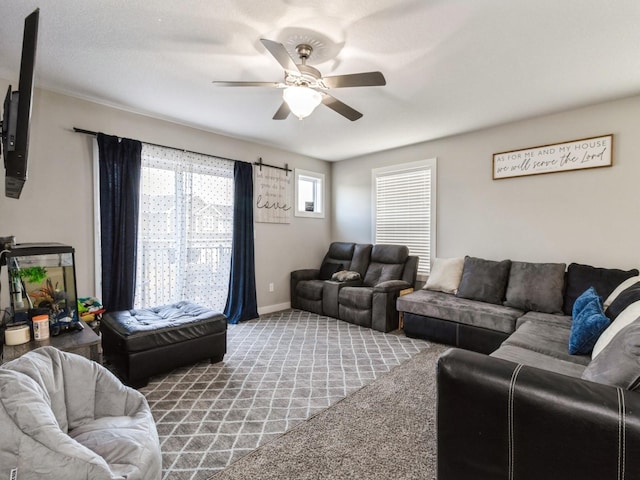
x=484 y=280
x=469 y=312
x=387 y=263
x=382 y=253
x=589 y=321
x=382 y=272
x=356 y=297
x=328 y=269
x=626 y=317
x=340 y=251
x=623 y=300
x=445 y=275
x=532 y=316
x=619 y=362
x=536 y=286
x=535 y=359
x=604 y=280
x=548 y=338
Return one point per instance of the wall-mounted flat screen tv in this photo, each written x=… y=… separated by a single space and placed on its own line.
x=16 y=114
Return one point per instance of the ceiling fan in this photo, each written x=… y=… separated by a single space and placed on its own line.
x=305 y=87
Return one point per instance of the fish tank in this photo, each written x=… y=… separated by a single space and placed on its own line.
x=42 y=280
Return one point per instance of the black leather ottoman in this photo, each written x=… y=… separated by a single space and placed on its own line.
x=142 y=343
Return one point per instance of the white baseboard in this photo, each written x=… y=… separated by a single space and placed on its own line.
x=274 y=308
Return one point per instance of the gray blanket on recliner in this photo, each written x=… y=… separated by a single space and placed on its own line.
x=63 y=416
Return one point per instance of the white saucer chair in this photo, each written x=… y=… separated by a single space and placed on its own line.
x=63 y=416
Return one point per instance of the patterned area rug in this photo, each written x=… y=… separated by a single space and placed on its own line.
x=279 y=371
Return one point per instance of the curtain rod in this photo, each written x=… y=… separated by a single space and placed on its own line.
x=90 y=132
x=260 y=164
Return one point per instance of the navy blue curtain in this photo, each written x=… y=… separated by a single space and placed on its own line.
x=120 y=164
x=241 y=300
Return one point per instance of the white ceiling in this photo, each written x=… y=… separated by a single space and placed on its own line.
x=451 y=66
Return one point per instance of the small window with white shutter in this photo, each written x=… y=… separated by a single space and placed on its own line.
x=404 y=209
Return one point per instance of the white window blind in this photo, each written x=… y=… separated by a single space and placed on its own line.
x=405 y=208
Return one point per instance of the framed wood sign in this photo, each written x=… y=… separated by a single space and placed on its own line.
x=272 y=195
x=591 y=152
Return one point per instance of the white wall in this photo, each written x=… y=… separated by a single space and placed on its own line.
x=586 y=216
x=56 y=204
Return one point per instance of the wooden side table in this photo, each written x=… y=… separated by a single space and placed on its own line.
x=84 y=342
x=401 y=314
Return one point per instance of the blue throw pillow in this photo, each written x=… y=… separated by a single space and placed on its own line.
x=589 y=321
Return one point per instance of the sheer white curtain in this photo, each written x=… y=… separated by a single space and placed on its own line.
x=185 y=231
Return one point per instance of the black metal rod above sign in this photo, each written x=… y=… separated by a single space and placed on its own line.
x=261 y=164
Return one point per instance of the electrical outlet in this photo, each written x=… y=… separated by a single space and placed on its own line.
x=271 y=287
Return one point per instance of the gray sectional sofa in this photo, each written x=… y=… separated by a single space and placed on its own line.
x=530 y=409
x=493 y=299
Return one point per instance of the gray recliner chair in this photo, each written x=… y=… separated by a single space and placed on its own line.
x=64 y=416
x=373 y=302
x=307 y=285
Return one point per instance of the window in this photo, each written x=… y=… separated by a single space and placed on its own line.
x=185 y=230
x=404 y=208
x=309 y=194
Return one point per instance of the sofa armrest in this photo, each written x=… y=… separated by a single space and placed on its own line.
x=384 y=315
x=299 y=276
x=305 y=274
x=498 y=419
x=391 y=286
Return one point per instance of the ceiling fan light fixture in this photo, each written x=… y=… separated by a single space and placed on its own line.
x=302 y=100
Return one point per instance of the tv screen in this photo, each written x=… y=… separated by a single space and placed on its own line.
x=16 y=115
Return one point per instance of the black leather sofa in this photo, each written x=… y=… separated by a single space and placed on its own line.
x=370 y=300
x=531 y=410
x=501 y=420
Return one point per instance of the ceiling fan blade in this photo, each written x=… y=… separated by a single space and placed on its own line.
x=367 y=79
x=283 y=112
x=248 y=84
x=280 y=53
x=342 y=108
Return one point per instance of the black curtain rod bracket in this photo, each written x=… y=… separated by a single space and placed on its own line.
x=261 y=164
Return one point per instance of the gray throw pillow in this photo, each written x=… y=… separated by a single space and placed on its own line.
x=536 y=286
x=618 y=363
x=345 y=276
x=484 y=280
